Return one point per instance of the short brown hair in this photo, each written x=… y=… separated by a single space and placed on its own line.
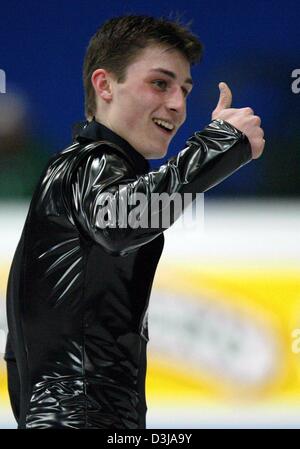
x=119 y=41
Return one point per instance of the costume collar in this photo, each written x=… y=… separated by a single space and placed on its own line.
x=93 y=131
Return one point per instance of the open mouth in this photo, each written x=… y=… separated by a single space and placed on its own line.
x=163 y=126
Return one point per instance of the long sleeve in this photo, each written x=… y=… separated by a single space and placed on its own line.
x=105 y=190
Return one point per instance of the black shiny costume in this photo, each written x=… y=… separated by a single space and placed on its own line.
x=78 y=294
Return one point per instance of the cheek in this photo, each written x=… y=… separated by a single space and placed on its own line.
x=137 y=103
x=140 y=108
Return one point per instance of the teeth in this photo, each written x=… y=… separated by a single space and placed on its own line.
x=164 y=123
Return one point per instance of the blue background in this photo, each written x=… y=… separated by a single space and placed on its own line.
x=253 y=46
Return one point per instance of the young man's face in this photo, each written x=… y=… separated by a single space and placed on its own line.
x=156 y=87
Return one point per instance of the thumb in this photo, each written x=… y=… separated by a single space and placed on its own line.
x=225 y=98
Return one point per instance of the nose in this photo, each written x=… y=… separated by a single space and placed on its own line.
x=176 y=101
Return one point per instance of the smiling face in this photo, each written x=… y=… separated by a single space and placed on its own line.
x=151 y=99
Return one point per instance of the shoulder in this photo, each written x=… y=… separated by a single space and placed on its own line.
x=80 y=154
x=100 y=154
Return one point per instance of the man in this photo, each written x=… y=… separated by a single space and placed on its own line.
x=78 y=288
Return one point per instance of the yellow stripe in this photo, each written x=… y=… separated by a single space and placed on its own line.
x=269 y=295
x=4 y=398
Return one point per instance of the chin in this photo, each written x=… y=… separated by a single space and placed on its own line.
x=158 y=153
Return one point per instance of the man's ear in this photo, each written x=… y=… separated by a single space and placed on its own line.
x=101 y=81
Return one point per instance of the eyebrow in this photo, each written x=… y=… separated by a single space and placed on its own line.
x=171 y=74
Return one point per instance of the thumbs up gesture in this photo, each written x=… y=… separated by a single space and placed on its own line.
x=242 y=119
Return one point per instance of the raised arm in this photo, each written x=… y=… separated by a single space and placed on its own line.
x=104 y=185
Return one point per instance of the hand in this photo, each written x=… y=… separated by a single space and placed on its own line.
x=243 y=119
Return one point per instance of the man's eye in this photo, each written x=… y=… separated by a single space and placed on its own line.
x=161 y=84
